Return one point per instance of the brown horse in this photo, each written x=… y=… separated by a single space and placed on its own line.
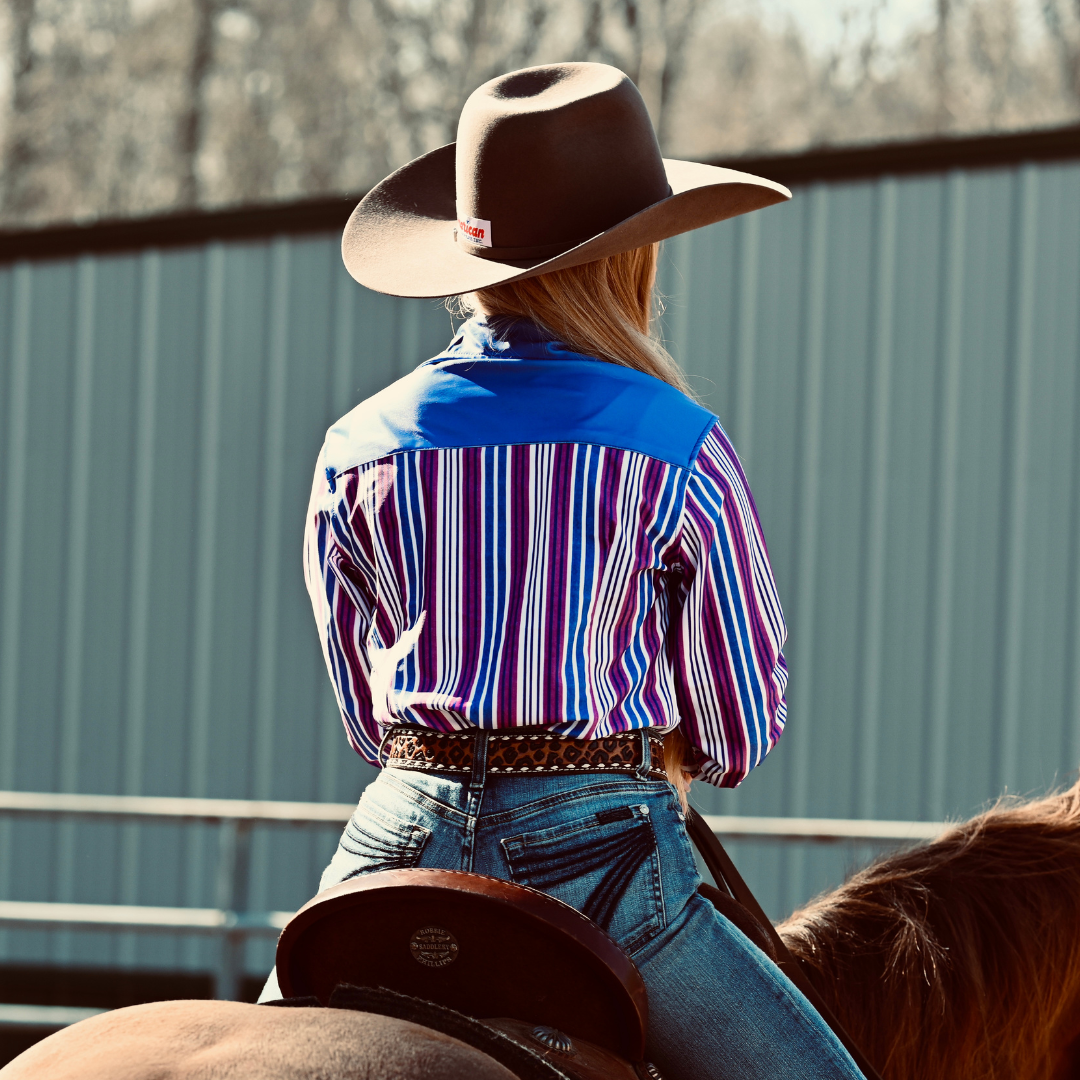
x=960 y=959
x=227 y=1040
x=955 y=960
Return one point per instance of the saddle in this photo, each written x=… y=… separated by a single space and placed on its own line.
x=507 y=968
x=510 y=970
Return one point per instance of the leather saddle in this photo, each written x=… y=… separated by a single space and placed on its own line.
x=514 y=972
x=509 y=960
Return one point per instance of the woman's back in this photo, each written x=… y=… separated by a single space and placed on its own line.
x=517 y=535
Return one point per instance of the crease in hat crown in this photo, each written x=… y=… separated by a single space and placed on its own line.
x=548 y=157
x=554 y=166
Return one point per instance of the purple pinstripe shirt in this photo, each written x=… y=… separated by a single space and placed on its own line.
x=517 y=535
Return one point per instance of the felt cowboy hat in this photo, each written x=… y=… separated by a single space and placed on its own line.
x=554 y=166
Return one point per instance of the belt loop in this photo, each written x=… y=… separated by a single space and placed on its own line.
x=479 y=759
x=646 y=756
x=474 y=798
x=382 y=742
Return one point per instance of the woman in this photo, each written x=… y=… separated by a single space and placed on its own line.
x=536 y=555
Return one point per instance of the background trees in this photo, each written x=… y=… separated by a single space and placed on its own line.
x=983 y=65
x=120 y=107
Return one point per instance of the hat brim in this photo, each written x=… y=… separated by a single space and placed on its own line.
x=400 y=239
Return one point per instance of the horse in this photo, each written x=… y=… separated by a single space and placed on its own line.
x=230 y=1040
x=958 y=959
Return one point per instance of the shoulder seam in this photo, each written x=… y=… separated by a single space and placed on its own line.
x=687 y=468
x=706 y=431
x=394 y=426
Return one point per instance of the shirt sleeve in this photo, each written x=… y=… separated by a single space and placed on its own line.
x=728 y=636
x=340 y=583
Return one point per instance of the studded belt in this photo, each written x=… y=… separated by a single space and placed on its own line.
x=511 y=753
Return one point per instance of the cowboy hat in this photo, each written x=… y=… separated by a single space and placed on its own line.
x=554 y=166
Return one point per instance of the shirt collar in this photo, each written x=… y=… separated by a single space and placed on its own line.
x=507 y=339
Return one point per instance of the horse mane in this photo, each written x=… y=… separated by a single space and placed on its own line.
x=959 y=958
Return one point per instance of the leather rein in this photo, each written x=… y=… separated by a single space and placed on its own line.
x=719 y=864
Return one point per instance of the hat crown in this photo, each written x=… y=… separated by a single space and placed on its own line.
x=550 y=156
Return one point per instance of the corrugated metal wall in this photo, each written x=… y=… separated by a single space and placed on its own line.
x=898 y=363
x=896 y=360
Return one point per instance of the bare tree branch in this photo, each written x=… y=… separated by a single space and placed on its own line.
x=1063 y=26
x=190 y=126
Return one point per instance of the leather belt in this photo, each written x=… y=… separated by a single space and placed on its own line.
x=518 y=754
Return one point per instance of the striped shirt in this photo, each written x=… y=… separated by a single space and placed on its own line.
x=515 y=535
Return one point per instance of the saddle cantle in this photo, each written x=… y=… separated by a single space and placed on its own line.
x=484 y=947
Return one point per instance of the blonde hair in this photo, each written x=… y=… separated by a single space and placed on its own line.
x=604 y=309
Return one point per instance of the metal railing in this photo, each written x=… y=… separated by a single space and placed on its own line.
x=235 y=818
x=230 y=919
x=44 y=1016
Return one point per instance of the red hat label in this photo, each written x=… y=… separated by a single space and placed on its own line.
x=475 y=230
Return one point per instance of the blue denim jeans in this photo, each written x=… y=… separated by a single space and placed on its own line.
x=615 y=847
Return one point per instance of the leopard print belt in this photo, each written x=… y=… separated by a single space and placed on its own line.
x=519 y=754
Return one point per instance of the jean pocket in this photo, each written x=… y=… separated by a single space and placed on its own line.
x=370 y=844
x=605 y=864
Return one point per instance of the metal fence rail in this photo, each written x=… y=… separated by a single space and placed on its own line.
x=18 y=803
x=235 y=819
x=230 y=919
x=44 y=1016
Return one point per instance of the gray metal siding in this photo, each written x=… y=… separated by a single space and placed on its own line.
x=896 y=361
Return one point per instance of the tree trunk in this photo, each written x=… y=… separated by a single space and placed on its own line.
x=192 y=121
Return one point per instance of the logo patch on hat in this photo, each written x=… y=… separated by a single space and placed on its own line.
x=475 y=230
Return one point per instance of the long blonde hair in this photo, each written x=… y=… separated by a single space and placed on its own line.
x=604 y=309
